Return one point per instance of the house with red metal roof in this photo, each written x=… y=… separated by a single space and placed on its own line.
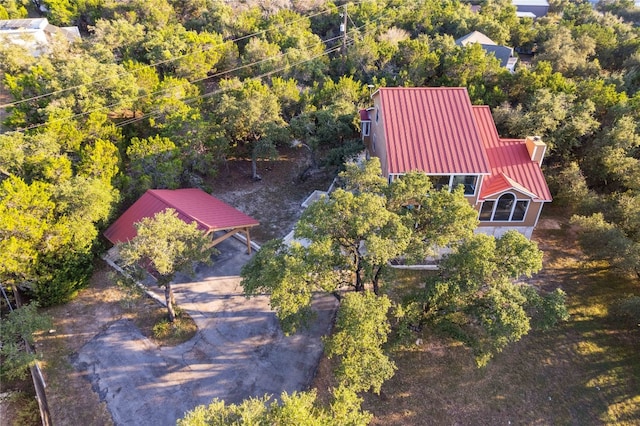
x=191 y=205
x=438 y=131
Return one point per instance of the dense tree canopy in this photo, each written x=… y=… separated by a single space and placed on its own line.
x=474 y=299
x=298 y=408
x=348 y=239
x=362 y=327
x=162 y=96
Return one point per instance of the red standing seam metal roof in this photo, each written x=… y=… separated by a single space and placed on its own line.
x=431 y=129
x=511 y=164
x=191 y=205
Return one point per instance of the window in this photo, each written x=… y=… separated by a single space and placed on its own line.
x=366 y=128
x=373 y=143
x=377 y=114
x=520 y=211
x=440 y=182
x=505 y=209
x=468 y=181
x=486 y=211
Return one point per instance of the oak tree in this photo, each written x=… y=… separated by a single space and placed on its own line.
x=166 y=245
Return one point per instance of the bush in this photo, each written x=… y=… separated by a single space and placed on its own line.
x=171 y=334
x=18 y=325
x=61 y=276
x=29 y=411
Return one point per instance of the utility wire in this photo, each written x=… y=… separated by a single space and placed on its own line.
x=350 y=41
x=44 y=95
x=218 y=74
x=157 y=113
x=281 y=54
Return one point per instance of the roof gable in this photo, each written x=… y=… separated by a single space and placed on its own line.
x=497 y=184
x=431 y=129
x=503 y=53
x=191 y=205
x=511 y=164
x=475 y=37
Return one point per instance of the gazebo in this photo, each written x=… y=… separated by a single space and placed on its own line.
x=191 y=205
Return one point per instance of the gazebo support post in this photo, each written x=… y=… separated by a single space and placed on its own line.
x=246 y=232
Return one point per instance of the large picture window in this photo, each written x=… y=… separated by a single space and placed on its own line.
x=505 y=209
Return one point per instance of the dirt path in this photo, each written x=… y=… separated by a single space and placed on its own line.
x=71 y=399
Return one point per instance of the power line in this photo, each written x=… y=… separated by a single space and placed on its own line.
x=218 y=74
x=134 y=119
x=157 y=113
x=44 y=95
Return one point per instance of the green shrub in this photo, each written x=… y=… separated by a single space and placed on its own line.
x=171 y=334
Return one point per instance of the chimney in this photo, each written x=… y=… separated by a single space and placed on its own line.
x=536 y=148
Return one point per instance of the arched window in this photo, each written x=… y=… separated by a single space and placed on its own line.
x=504 y=207
x=507 y=208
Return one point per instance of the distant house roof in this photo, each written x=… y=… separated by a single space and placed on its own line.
x=191 y=205
x=527 y=14
x=431 y=129
x=503 y=53
x=475 y=37
x=536 y=7
x=511 y=163
x=530 y=3
x=34 y=34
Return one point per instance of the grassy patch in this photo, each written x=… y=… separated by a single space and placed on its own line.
x=151 y=318
x=172 y=334
x=585 y=371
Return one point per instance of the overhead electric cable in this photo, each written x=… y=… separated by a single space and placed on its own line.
x=281 y=54
x=218 y=74
x=157 y=113
x=44 y=95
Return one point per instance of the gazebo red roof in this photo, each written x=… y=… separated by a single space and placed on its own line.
x=191 y=204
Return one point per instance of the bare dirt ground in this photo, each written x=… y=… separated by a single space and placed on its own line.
x=274 y=201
